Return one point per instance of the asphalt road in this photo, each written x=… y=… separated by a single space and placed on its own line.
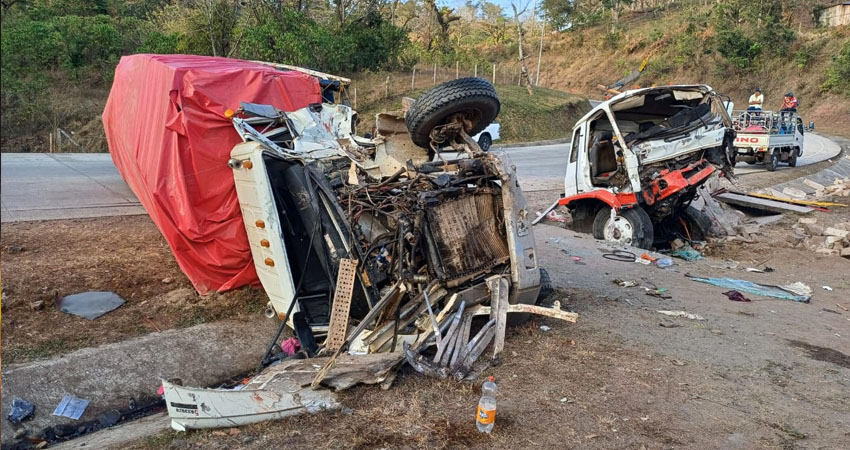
x=40 y=186
x=43 y=186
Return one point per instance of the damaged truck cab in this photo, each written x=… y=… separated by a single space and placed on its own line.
x=635 y=163
x=316 y=197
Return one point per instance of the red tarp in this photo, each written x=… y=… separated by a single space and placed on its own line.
x=170 y=140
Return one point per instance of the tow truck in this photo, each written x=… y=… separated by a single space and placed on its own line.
x=768 y=137
x=637 y=160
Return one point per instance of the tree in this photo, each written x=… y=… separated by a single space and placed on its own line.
x=520 y=33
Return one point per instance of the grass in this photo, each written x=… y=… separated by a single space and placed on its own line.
x=548 y=114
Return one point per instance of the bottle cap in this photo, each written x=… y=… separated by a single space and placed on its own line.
x=490 y=379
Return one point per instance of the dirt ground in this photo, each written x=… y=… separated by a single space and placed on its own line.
x=766 y=374
x=42 y=261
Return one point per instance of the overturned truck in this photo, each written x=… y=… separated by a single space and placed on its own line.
x=374 y=250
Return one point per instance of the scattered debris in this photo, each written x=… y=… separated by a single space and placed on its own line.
x=555 y=217
x=789 y=292
x=826 y=288
x=545 y=328
x=89 y=305
x=664 y=262
x=626 y=283
x=842 y=306
x=71 y=407
x=620 y=255
x=736 y=296
x=21 y=410
x=687 y=253
x=684 y=314
x=669 y=325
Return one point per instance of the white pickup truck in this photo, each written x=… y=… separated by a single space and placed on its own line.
x=768 y=137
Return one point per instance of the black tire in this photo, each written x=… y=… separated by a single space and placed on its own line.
x=475 y=98
x=485 y=141
x=641 y=224
x=698 y=222
x=792 y=158
x=799 y=151
x=773 y=161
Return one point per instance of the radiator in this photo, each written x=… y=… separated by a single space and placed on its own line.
x=466 y=236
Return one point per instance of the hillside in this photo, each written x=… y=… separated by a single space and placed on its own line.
x=684 y=45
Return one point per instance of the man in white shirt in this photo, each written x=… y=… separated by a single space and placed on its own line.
x=756 y=101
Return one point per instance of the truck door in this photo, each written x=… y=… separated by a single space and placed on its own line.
x=576 y=146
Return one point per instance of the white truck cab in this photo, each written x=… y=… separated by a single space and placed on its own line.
x=636 y=160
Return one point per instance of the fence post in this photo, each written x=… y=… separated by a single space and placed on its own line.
x=413 y=79
x=457 y=69
x=435 y=74
x=50 y=140
x=387 y=87
x=476 y=69
x=58 y=141
x=494 y=74
x=355 y=98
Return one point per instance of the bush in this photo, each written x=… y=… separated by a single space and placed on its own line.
x=738 y=49
x=838 y=73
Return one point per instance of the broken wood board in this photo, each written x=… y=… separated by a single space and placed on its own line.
x=279 y=391
x=795 y=201
x=761 y=203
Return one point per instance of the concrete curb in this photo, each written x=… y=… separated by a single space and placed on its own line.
x=839 y=170
x=109 y=375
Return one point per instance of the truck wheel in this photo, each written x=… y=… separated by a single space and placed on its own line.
x=698 y=223
x=484 y=141
x=629 y=227
x=773 y=162
x=799 y=151
x=792 y=159
x=473 y=98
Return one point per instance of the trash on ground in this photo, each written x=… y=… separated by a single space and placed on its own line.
x=21 y=410
x=71 y=407
x=485 y=415
x=736 y=296
x=842 y=306
x=545 y=328
x=767 y=290
x=620 y=255
x=626 y=283
x=687 y=253
x=556 y=217
x=290 y=346
x=826 y=288
x=89 y=305
x=684 y=314
x=664 y=262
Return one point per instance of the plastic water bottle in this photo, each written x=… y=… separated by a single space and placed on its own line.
x=485 y=417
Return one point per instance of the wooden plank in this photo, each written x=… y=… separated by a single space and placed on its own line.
x=795 y=201
x=761 y=203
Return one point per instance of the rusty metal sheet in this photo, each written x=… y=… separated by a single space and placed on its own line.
x=342 y=304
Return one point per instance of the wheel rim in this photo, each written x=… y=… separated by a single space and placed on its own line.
x=485 y=143
x=619 y=230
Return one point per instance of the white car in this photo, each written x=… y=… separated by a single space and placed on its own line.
x=485 y=138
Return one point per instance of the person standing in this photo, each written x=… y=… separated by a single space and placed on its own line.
x=756 y=101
